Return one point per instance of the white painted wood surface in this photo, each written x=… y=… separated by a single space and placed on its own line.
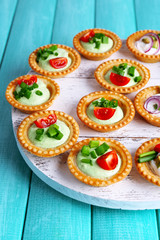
x=134 y=192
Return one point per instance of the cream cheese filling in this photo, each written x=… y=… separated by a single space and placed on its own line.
x=104 y=47
x=118 y=115
x=44 y=64
x=131 y=82
x=96 y=171
x=48 y=142
x=34 y=98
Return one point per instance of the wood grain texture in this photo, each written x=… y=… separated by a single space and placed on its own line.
x=51 y=215
x=147 y=14
x=116 y=16
x=72 y=17
x=14 y=173
x=120 y=224
x=32 y=27
x=7 y=11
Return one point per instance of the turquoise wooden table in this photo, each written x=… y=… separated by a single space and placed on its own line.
x=29 y=209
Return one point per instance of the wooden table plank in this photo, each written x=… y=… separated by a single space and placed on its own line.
x=121 y=224
x=69 y=219
x=7 y=11
x=26 y=34
x=117 y=16
x=71 y=18
x=52 y=215
x=147 y=14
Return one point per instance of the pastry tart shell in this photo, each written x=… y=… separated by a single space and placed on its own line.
x=22 y=134
x=103 y=68
x=124 y=102
x=124 y=154
x=76 y=60
x=139 y=101
x=144 y=168
x=117 y=43
x=51 y=85
x=141 y=56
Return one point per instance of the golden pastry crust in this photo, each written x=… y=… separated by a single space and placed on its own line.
x=117 y=43
x=124 y=102
x=144 y=168
x=51 y=85
x=115 y=145
x=141 y=56
x=139 y=101
x=76 y=60
x=22 y=134
x=103 y=68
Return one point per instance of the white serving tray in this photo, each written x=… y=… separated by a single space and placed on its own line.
x=133 y=192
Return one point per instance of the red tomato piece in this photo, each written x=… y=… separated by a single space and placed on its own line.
x=59 y=62
x=104 y=113
x=46 y=121
x=108 y=161
x=28 y=81
x=157 y=148
x=87 y=36
x=118 y=79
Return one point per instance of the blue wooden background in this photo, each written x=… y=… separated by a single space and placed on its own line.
x=29 y=209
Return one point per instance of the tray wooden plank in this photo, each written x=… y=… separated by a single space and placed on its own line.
x=132 y=192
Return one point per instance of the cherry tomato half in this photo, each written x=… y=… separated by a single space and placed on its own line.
x=118 y=79
x=28 y=81
x=59 y=62
x=87 y=36
x=157 y=148
x=108 y=161
x=104 y=113
x=46 y=121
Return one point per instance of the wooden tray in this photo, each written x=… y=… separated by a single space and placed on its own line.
x=132 y=193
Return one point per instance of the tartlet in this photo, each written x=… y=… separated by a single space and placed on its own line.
x=22 y=133
x=117 y=43
x=51 y=85
x=75 y=57
x=124 y=170
x=144 y=168
x=139 y=55
x=139 y=101
x=124 y=102
x=103 y=68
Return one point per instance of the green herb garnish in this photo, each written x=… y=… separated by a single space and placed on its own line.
x=131 y=71
x=118 y=70
x=106 y=103
x=102 y=149
x=53 y=132
x=138 y=79
x=39 y=93
x=88 y=161
x=44 y=53
x=93 y=144
x=93 y=154
x=123 y=65
x=85 y=150
x=39 y=134
x=155 y=106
